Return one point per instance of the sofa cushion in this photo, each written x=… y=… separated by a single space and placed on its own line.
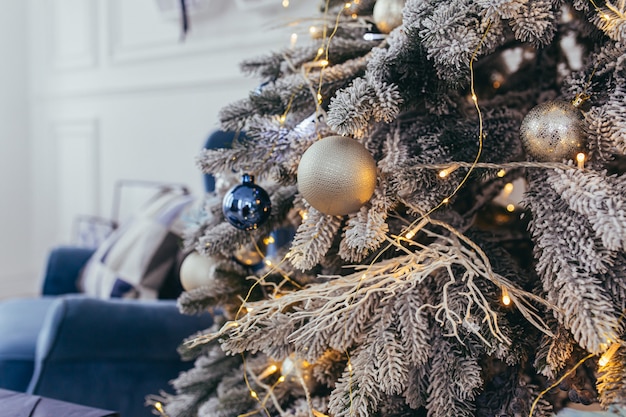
x=21 y=319
x=134 y=261
x=63 y=269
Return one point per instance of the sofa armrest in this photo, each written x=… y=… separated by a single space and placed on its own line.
x=63 y=269
x=126 y=348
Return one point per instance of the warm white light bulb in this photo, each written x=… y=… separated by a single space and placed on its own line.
x=447 y=171
x=606 y=357
x=506 y=299
x=603 y=361
x=268 y=371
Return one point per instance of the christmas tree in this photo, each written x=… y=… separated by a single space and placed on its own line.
x=392 y=145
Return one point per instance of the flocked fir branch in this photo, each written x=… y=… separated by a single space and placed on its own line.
x=570 y=258
x=611 y=381
x=431 y=299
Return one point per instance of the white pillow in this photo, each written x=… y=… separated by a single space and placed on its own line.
x=133 y=262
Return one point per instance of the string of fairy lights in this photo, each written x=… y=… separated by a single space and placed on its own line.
x=294 y=366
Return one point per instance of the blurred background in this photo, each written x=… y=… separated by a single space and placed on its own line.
x=98 y=92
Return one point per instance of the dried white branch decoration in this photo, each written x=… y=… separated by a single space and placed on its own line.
x=327 y=308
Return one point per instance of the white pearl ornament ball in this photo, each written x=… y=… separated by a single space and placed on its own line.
x=337 y=175
x=196 y=271
x=387 y=14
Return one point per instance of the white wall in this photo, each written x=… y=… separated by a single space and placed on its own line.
x=114 y=94
x=15 y=219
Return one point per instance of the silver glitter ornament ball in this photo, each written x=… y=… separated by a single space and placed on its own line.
x=553 y=131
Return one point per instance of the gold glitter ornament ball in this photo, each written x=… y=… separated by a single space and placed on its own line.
x=337 y=175
x=387 y=14
x=553 y=131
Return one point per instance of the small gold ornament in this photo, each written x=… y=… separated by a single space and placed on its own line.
x=196 y=271
x=553 y=131
x=251 y=254
x=388 y=14
x=337 y=175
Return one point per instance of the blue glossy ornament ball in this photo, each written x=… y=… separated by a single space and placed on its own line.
x=246 y=206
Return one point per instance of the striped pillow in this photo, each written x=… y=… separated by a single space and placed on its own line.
x=134 y=261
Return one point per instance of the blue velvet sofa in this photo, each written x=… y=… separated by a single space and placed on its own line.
x=100 y=353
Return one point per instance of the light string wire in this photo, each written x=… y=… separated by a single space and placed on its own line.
x=282 y=119
x=472 y=166
x=619 y=11
x=489 y=165
x=557 y=382
x=578 y=364
x=423 y=219
x=475 y=164
x=318 y=98
x=576 y=102
x=199 y=340
x=253 y=393
x=305 y=71
x=276 y=267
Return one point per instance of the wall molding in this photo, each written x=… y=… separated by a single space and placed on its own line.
x=121 y=53
x=77 y=164
x=84 y=37
x=222 y=83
